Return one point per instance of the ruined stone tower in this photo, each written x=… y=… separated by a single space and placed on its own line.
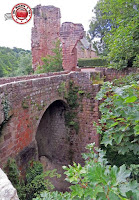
x=70 y=34
x=45 y=32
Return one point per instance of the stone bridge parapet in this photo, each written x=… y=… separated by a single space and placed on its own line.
x=23 y=104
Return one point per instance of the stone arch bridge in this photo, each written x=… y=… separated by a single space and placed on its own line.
x=32 y=119
x=37 y=120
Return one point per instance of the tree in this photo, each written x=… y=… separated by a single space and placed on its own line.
x=119 y=31
x=52 y=63
x=24 y=65
x=15 y=62
x=98 y=28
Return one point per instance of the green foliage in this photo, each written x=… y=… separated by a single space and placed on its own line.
x=72 y=96
x=120 y=117
x=13 y=174
x=72 y=101
x=54 y=196
x=134 y=168
x=24 y=65
x=98 y=180
x=36 y=180
x=25 y=104
x=96 y=78
x=62 y=89
x=12 y=171
x=39 y=184
x=117 y=159
x=126 y=80
x=119 y=121
x=15 y=62
x=52 y=63
x=93 y=62
x=99 y=27
x=136 y=61
x=34 y=169
x=116 y=23
x=6 y=108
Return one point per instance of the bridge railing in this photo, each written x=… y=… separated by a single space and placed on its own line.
x=28 y=77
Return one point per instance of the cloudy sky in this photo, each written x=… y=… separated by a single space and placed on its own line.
x=16 y=35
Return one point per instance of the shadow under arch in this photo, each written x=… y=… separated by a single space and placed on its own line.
x=53 y=141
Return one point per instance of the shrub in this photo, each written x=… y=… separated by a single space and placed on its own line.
x=52 y=63
x=119 y=123
x=95 y=62
x=98 y=180
x=36 y=181
x=120 y=117
x=39 y=184
x=13 y=174
x=53 y=196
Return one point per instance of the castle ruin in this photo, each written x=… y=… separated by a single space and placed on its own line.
x=47 y=30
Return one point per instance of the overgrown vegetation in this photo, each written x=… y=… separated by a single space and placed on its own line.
x=72 y=101
x=116 y=24
x=54 y=196
x=15 y=62
x=113 y=173
x=36 y=180
x=96 y=180
x=92 y=62
x=52 y=63
x=72 y=97
x=107 y=175
x=120 y=116
x=6 y=109
x=96 y=78
x=119 y=123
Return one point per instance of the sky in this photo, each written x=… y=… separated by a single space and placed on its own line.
x=19 y=35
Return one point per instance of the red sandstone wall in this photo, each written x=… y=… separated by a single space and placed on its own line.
x=70 y=34
x=28 y=77
x=45 y=32
x=111 y=74
x=25 y=103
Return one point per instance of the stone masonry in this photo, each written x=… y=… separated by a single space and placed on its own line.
x=32 y=118
x=70 y=35
x=45 y=32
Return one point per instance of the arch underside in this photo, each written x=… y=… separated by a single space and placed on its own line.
x=53 y=141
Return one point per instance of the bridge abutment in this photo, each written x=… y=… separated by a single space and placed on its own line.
x=37 y=103
x=26 y=107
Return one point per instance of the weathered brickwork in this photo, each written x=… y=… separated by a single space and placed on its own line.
x=28 y=77
x=70 y=35
x=33 y=120
x=111 y=74
x=45 y=32
x=28 y=106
